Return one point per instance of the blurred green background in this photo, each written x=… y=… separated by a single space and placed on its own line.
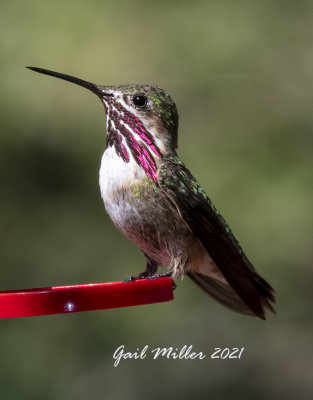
x=241 y=75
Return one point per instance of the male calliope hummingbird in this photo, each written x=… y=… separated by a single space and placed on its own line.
x=154 y=200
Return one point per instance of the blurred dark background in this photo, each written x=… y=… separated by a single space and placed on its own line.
x=241 y=75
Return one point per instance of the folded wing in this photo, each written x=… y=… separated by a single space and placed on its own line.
x=206 y=223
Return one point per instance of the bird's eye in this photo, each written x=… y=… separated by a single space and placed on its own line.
x=140 y=100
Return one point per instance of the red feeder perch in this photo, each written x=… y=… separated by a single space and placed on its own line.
x=87 y=297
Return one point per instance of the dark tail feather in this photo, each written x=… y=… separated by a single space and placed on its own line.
x=225 y=295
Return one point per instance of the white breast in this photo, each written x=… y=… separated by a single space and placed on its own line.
x=114 y=176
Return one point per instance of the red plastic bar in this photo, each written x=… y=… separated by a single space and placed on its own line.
x=87 y=297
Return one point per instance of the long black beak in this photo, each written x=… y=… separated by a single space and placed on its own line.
x=97 y=89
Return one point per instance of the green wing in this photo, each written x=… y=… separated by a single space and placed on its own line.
x=207 y=224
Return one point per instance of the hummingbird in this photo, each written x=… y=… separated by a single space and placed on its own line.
x=155 y=201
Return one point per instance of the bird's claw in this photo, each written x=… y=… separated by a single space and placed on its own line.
x=147 y=276
x=133 y=278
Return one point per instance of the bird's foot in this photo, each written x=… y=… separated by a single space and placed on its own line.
x=132 y=278
x=146 y=275
x=164 y=275
x=156 y=276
